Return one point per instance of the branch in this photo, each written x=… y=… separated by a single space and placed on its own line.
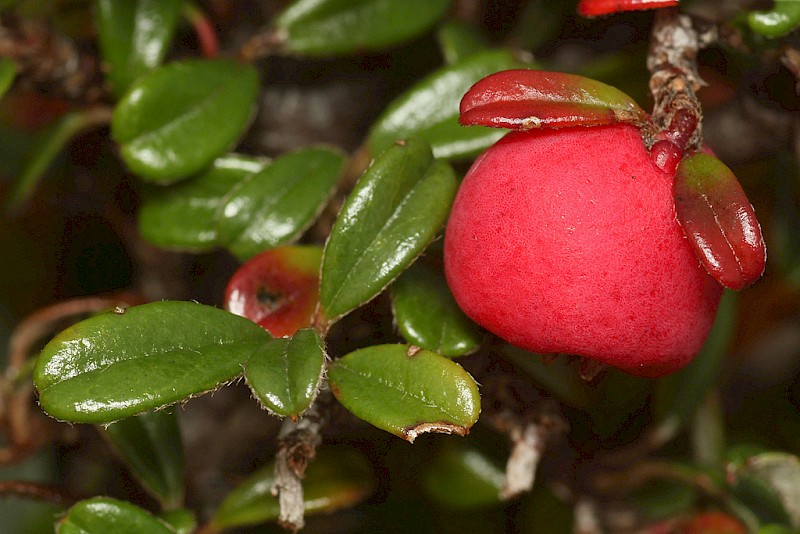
x=297 y=446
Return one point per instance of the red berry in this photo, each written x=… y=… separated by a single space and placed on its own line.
x=278 y=289
x=565 y=241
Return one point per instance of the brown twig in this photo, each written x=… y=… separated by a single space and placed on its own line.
x=34 y=490
x=297 y=446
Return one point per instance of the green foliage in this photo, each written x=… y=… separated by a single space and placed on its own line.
x=7 y=72
x=178 y=119
x=101 y=515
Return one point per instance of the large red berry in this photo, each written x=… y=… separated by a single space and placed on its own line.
x=566 y=241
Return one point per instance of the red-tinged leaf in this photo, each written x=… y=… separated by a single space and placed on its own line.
x=593 y=8
x=719 y=221
x=527 y=99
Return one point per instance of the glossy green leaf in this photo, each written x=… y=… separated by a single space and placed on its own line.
x=49 y=145
x=406 y=390
x=134 y=36
x=777 y=22
x=770 y=483
x=276 y=205
x=286 y=373
x=458 y=41
x=179 y=118
x=150 y=444
x=116 y=365
x=429 y=110
x=391 y=215
x=427 y=314
x=102 y=515
x=182 y=216
x=461 y=476
x=7 y=73
x=678 y=395
x=335 y=479
x=331 y=27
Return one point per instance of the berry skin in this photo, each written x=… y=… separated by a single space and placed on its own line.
x=566 y=241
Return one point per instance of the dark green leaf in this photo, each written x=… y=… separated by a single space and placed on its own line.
x=276 y=205
x=134 y=36
x=7 y=72
x=49 y=145
x=102 y=515
x=392 y=214
x=406 y=390
x=179 y=118
x=334 y=480
x=150 y=444
x=769 y=483
x=557 y=377
x=664 y=499
x=182 y=216
x=429 y=109
x=461 y=476
x=427 y=314
x=116 y=365
x=678 y=395
x=331 y=27
x=285 y=374
x=460 y=40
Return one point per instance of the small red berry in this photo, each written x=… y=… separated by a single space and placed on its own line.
x=278 y=289
x=593 y=8
x=565 y=240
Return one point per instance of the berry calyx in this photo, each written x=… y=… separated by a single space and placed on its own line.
x=278 y=289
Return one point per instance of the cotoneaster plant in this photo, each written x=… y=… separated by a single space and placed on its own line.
x=592 y=232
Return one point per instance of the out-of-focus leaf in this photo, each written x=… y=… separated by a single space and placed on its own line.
x=277 y=204
x=406 y=390
x=182 y=216
x=719 y=221
x=49 y=145
x=776 y=529
x=285 y=374
x=150 y=444
x=678 y=395
x=461 y=476
x=528 y=99
x=179 y=118
x=429 y=110
x=102 y=515
x=558 y=377
x=116 y=365
x=278 y=289
x=427 y=314
x=332 y=27
x=134 y=36
x=7 y=72
x=777 y=22
x=182 y=521
x=458 y=40
x=769 y=483
x=335 y=479
x=545 y=512
x=785 y=220
x=664 y=499
x=391 y=215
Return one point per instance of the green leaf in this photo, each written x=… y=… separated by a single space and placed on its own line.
x=286 y=373
x=429 y=110
x=770 y=484
x=182 y=521
x=7 y=73
x=461 y=476
x=179 y=118
x=332 y=27
x=392 y=214
x=406 y=390
x=335 y=479
x=101 y=515
x=427 y=314
x=678 y=395
x=116 y=365
x=182 y=216
x=558 y=377
x=134 y=36
x=276 y=205
x=49 y=145
x=150 y=444
x=458 y=41
x=777 y=22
